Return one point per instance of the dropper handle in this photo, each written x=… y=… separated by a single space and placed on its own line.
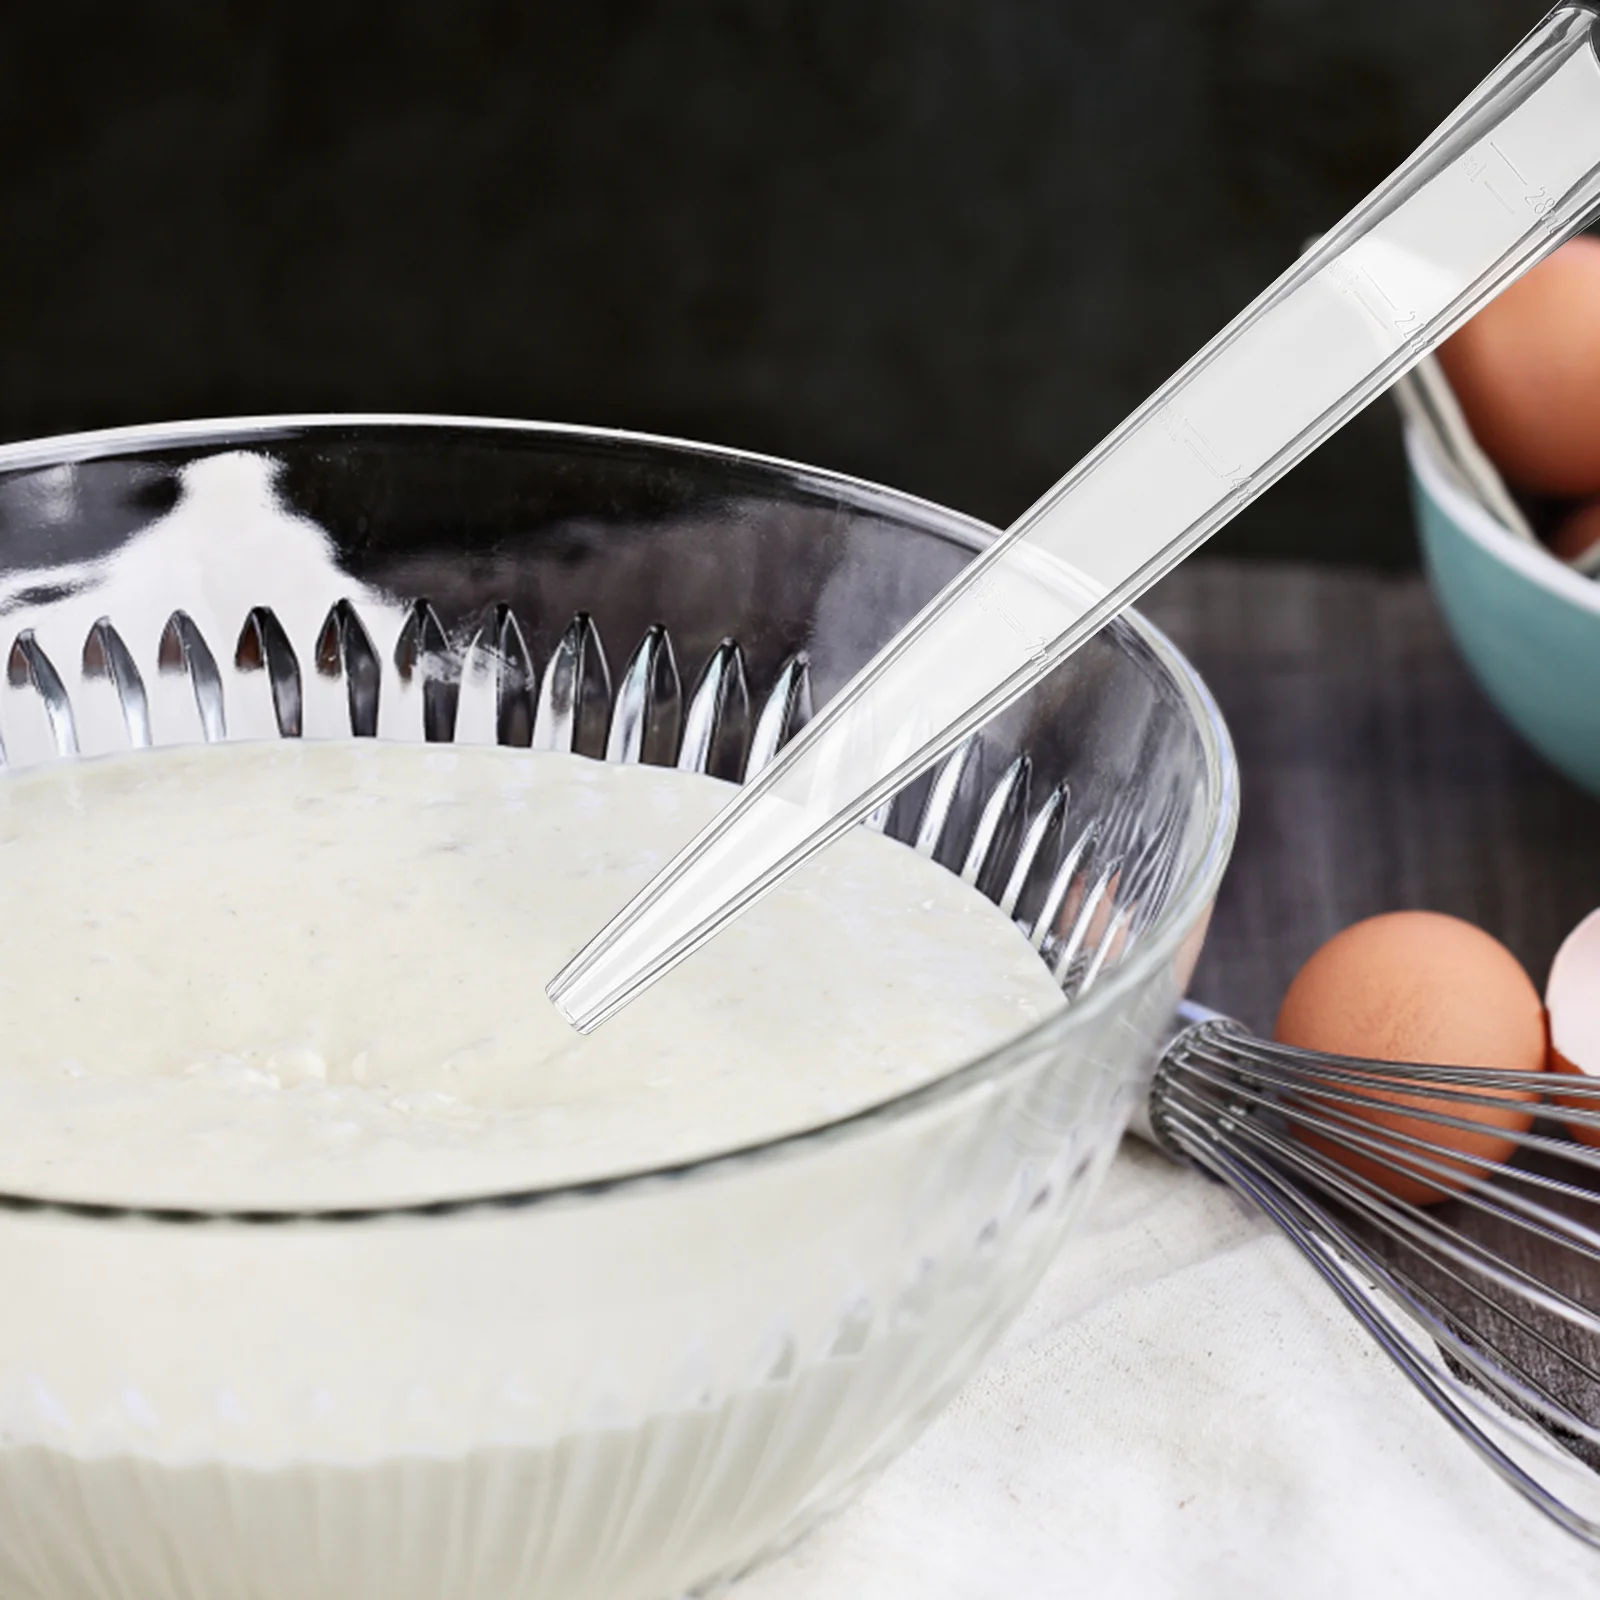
x=1512 y=173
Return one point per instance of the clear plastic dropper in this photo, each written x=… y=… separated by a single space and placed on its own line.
x=1511 y=174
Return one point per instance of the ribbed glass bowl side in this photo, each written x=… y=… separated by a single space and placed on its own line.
x=610 y=1399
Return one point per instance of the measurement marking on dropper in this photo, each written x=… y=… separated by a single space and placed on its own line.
x=1181 y=430
x=988 y=601
x=1352 y=279
x=1535 y=197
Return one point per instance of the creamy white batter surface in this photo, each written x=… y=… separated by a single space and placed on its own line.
x=307 y=974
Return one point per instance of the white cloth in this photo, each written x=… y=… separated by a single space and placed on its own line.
x=1183 y=1409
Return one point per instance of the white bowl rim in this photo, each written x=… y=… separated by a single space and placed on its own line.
x=1474 y=519
x=1160 y=943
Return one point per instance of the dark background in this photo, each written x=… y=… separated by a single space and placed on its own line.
x=942 y=245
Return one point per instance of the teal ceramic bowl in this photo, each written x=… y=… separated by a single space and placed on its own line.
x=1527 y=624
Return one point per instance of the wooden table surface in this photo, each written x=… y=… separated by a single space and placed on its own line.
x=1376 y=776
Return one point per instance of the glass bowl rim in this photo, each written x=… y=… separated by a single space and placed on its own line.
x=1159 y=944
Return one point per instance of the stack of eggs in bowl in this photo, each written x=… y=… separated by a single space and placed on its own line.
x=1527 y=374
x=1503 y=444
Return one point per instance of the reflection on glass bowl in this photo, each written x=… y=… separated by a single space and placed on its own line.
x=622 y=1388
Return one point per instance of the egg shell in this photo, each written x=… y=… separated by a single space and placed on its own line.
x=1577 y=533
x=1417 y=986
x=1572 y=998
x=1526 y=370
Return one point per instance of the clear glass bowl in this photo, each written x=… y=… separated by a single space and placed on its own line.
x=639 y=1385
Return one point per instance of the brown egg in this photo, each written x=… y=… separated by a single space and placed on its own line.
x=1418 y=986
x=1572 y=998
x=1527 y=372
x=1577 y=533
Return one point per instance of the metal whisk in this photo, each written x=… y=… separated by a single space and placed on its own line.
x=1488 y=1299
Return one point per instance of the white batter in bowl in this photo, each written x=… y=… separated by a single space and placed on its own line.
x=298 y=974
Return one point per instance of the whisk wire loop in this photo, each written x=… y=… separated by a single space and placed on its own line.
x=1297 y=1102
x=1482 y=1292
x=1414 y=1223
x=1343 y=1263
